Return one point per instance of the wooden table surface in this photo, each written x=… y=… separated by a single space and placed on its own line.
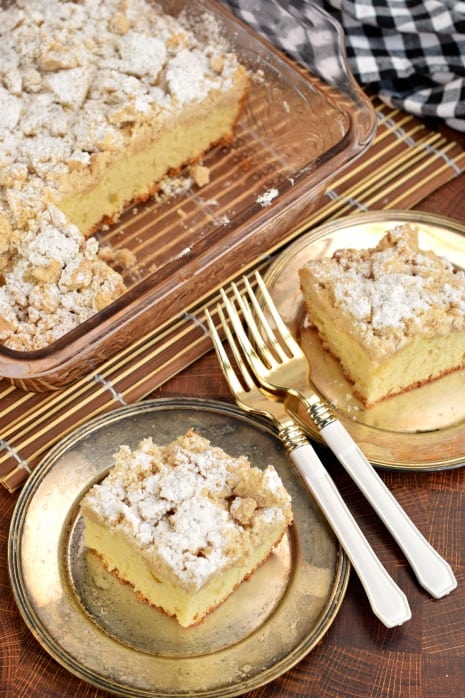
x=358 y=657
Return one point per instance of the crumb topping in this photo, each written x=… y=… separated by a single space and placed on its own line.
x=77 y=79
x=188 y=503
x=393 y=291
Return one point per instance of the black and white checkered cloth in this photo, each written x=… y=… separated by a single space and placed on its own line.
x=411 y=52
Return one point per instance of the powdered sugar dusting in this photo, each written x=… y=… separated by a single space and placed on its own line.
x=188 y=504
x=394 y=290
x=267 y=197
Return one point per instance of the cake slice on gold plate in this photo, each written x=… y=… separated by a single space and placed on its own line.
x=185 y=523
x=393 y=315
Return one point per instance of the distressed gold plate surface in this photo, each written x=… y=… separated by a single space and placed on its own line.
x=422 y=429
x=95 y=627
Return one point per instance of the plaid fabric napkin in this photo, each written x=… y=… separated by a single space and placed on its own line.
x=411 y=52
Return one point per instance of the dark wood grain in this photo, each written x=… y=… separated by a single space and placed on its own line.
x=358 y=657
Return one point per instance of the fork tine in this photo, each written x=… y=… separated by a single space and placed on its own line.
x=248 y=349
x=228 y=370
x=246 y=375
x=286 y=336
x=223 y=358
x=262 y=348
x=265 y=327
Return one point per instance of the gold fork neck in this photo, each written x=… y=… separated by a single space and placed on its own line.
x=292 y=436
x=320 y=413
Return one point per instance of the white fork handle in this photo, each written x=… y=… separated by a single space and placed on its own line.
x=431 y=570
x=387 y=600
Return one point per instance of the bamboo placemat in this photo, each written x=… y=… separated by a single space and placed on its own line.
x=406 y=163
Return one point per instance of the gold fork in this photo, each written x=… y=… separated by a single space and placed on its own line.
x=280 y=367
x=387 y=600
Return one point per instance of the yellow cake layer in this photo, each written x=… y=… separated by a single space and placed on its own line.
x=123 y=559
x=159 y=150
x=423 y=360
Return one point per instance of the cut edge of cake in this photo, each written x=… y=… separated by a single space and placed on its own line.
x=161 y=151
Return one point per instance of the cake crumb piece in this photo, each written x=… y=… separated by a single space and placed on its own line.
x=200 y=174
x=267 y=197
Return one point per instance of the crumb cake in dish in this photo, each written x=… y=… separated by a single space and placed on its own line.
x=185 y=523
x=393 y=315
x=99 y=100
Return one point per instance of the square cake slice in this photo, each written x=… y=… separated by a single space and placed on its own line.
x=185 y=523
x=394 y=315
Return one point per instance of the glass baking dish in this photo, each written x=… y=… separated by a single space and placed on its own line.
x=298 y=130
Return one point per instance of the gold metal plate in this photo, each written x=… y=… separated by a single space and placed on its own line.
x=423 y=429
x=95 y=627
